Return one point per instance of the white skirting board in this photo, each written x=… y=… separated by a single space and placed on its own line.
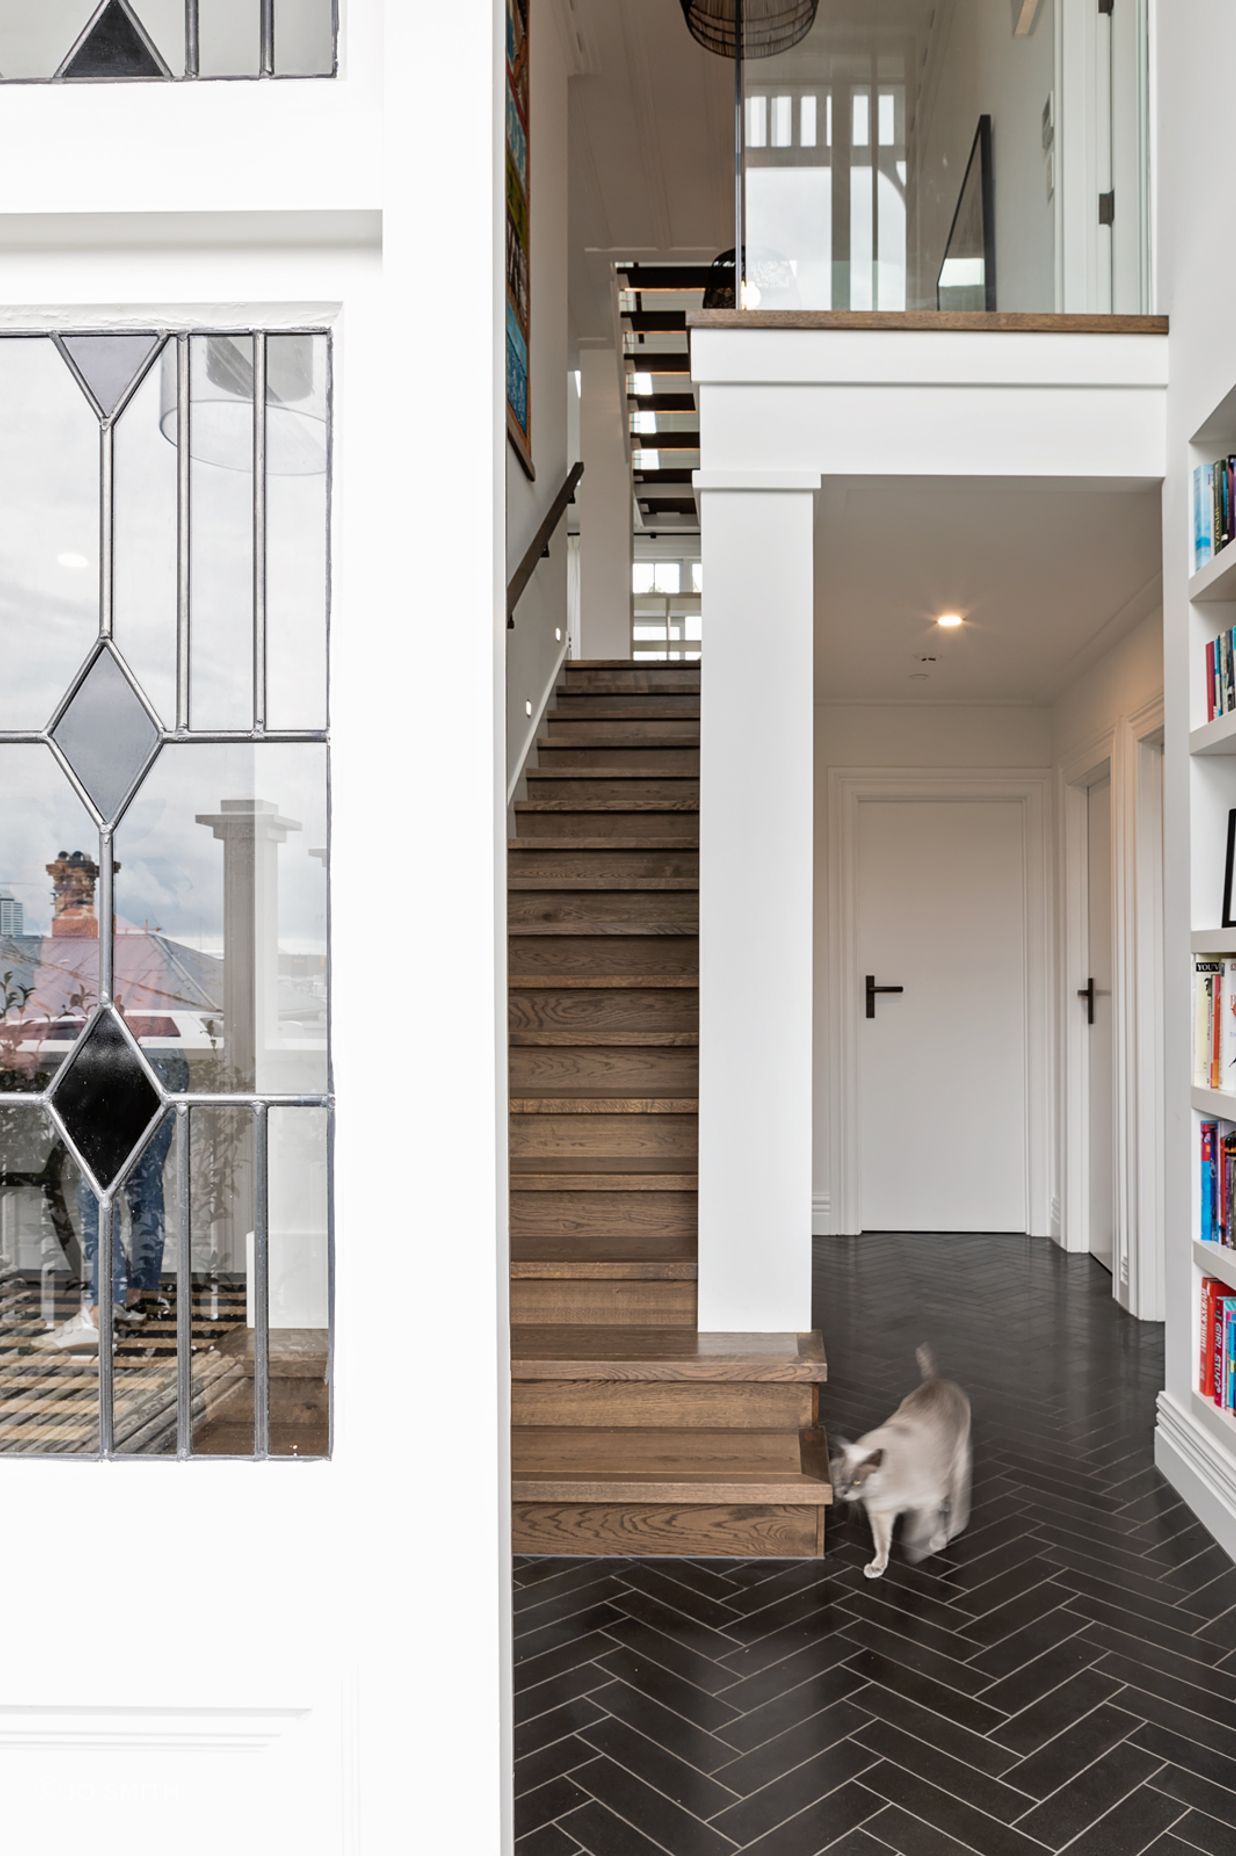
x=1197 y=1470
x=821 y=1215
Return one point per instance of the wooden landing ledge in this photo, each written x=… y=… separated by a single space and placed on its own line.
x=661 y=1354
x=927 y=321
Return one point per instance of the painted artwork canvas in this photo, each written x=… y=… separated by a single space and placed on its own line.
x=518 y=236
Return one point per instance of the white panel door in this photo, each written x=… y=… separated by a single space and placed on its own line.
x=1101 y=1032
x=940 y=911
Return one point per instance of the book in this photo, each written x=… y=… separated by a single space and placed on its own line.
x=1205 y=1347
x=1210 y=1131
x=1228 y=1399
x=1207 y=1020
x=1203 y=526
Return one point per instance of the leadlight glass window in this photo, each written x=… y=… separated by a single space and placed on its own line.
x=105 y=41
x=165 y=1095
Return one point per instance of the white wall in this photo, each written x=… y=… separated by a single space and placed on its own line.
x=1119 y=685
x=533 y=651
x=605 y=507
x=978 y=68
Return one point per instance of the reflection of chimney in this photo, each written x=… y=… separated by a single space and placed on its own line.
x=73 y=880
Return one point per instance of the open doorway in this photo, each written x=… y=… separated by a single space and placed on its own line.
x=989 y=857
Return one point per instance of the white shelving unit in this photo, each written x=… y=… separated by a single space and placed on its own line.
x=1211 y=796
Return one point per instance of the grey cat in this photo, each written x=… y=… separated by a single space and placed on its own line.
x=917 y=1463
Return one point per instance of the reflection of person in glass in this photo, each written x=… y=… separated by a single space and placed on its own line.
x=137 y=1274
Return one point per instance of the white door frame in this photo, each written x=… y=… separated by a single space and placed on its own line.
x=848 y=790
x=1140 y=1261
x=1126 y=753
x=1096 y=761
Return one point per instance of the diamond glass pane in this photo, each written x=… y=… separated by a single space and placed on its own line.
x=106 y=735
x=105 y=1098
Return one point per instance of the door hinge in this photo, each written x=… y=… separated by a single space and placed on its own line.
x=1107 y=6
x=1107 y=208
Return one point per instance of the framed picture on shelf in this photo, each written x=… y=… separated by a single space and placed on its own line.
x=1229 y=873
x=967 y=279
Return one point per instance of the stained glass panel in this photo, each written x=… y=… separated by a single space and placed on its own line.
x=82 y=41
x=164 y=1072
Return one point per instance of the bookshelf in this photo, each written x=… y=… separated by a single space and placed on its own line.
x=1211 y=788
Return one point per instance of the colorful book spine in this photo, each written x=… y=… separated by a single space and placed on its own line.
x=1206 y=1353
x=1203 y=530
x=1229 y=1354
x=1209 y=1133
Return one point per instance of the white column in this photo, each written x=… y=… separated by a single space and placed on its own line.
x=605 y=508
x=756 y=865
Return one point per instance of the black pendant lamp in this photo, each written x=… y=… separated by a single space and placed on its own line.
x=767 y=26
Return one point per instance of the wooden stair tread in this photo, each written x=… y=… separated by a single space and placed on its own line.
x=618 y=1040
x=575 y=802
x=683 y=841
x=584 y=734
x=598 y=1101
x=665 y=1354
x=621 y=663
x=616 y=1269
x=614 y=773
x=593 y=1173
x=567 y=1464
x=672 y=958
x=639 y=709
x=588 y=1249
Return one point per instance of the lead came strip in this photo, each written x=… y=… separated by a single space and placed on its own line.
x=261 y=1283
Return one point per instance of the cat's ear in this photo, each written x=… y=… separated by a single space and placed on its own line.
x=873 y=1461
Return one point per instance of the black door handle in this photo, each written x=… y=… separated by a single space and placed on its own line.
x=873 y=989
x=1086 y=992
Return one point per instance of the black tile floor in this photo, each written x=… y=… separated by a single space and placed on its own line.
x=1063 y=1678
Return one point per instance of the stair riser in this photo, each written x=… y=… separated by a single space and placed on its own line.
x=585 y=730
x=584 y=1016
x=647 y=681
x=682 y=795
x=642 y=1072
x=614 y=827
x=616 y=913
x=603 y=1304
x=775 y=1532
x=568 y=869
x=669 y=1215
x=645 y=1137
x=626 y=759
x=659 y=1407
x=570 y=706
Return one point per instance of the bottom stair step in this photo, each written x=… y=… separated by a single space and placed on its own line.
x=779 y=1531
x=727 y=1467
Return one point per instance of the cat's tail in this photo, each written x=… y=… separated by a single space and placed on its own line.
x=926 y=1361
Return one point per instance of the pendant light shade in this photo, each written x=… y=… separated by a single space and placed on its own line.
x=768 y=26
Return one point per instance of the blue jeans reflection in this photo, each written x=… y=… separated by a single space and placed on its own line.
x=143 y=1193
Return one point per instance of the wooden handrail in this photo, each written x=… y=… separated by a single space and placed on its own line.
x=538 y=547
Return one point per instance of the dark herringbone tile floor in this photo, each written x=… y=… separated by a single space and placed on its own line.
x=1063 y=1678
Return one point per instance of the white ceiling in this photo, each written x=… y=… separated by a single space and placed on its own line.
x=1046 y=578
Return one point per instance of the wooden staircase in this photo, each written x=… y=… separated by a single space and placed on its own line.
x=632 y=1432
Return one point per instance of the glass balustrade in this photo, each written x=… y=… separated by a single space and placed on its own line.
x=905 y=155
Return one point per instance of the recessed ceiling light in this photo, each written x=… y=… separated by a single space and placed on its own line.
x=949 y=621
